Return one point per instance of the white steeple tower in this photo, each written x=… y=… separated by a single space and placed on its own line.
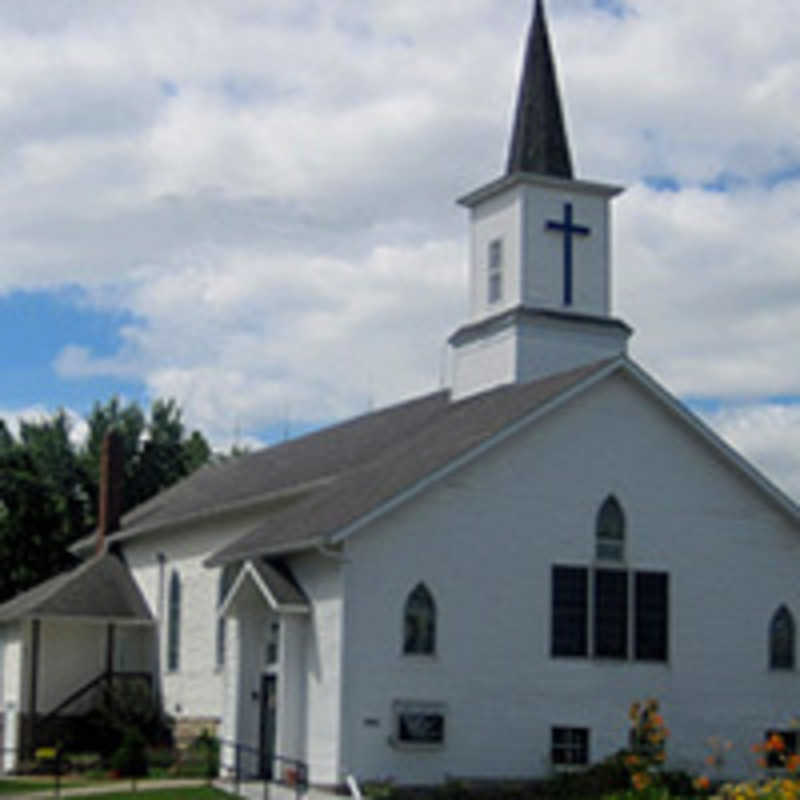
x=540 y=272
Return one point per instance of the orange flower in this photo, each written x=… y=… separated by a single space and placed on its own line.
x=711 y=761
x=793 y=762
x=658 y=719
x=702 y=783
x=640 y=780
x=775 y=743
x=762 y=762
x=757 y=748
x=631 y=760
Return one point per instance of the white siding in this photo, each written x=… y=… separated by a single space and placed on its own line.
x=70 y=655
x=321 y=579
x=11 y=670
x=485 y=542
x=195 y=689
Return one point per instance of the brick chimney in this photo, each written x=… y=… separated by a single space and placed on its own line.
x=109 y=502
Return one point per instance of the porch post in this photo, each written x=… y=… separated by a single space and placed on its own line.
x=33 y=685
x=109 y=663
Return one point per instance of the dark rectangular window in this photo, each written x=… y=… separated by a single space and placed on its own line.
x=652 y=616
x=570 y=596
x=420 y=725
x=776 y=756
x=611 y=613
x=570 y=746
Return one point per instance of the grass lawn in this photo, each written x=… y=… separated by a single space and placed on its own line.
x=195 y=793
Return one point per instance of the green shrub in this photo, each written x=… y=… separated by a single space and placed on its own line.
x=130 y=759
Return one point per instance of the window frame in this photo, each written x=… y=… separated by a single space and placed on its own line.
x=563 y=619
x=781 y=660
x=570 y=747
x=420 y=613
x=174 y=607
x=587 y=646
x=429 y=708
x=494 y=271
x=609 y=531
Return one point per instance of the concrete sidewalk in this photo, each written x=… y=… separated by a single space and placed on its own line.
x=106 y=788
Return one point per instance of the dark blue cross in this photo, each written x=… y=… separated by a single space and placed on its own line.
x=569 y=230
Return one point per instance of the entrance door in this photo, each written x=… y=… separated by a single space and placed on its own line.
x=269 y=706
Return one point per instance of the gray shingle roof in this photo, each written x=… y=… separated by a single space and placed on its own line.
x=450 y=431
x=280 y=474
x=101 y=587
x=283 y=589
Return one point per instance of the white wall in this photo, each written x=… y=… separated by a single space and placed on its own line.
x=531 y=347
x=195 y=689
x=70 y=655
x=485 y=541
x=11 y=670
x=321 y=579
x=544 y=274
x=498 y=218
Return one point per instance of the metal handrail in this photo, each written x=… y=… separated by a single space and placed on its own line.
x=290 y=766
x=103 y=677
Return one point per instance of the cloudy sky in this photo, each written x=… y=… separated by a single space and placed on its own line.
x=249 y=205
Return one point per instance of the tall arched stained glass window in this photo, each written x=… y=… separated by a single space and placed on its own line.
x=610 y=531
x=781 y=639
x=174 y=623
x=419 y=622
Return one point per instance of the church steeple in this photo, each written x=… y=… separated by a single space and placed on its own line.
x=539 y=139
x=540 y=251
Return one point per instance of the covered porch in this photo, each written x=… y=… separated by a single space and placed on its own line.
x=65 y=645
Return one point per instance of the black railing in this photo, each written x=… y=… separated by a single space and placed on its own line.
x=251 y=764
x=104 y=679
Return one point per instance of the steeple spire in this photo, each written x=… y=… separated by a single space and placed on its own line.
x=539 y=139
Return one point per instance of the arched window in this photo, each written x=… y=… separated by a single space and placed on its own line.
x=226 y=577
x=419 y=622
x=781 y=640
x=610 y=531
x=174 y=623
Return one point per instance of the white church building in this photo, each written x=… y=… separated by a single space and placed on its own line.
x=474 y=583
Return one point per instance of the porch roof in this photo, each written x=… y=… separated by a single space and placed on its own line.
x=101 y=588
x=279 y=591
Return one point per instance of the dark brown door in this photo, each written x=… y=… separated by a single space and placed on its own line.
x=269 y=706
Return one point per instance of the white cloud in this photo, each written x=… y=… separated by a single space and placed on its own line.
x=767 y=434
x=37 y=414
x=268 y=186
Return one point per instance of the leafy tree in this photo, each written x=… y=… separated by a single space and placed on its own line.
x=157 y=452
x=49 y=487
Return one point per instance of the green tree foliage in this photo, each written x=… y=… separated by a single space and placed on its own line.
x=49 y=486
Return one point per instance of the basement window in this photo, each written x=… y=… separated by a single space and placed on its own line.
x=569 y=746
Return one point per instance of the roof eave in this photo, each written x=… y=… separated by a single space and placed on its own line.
x=506 y=182
x=206 y=515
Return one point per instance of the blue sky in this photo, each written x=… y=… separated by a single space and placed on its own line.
x=249 y=206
